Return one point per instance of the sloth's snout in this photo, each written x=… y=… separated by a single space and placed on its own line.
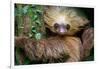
x=61 y=28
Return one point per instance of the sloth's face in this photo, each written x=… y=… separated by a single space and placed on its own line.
x=60 y=25
x=61 y=28
x=64 y=21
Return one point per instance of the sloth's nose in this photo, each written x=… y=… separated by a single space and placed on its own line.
x=62 y=29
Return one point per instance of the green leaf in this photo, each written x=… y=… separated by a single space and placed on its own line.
x=30 y=35
x=30 y=13
x=38 y=36
x=39 y=11
x=38 y=22
x=34 y=31
x=34 y=17
x=25 y=9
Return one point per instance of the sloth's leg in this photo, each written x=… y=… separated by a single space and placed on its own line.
x=74 y=46
x=88 y=41
x=20 y=41
x=19 y=47
x=23 y=48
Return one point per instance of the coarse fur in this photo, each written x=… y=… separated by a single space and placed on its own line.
x=64 y=47
x=51 y=50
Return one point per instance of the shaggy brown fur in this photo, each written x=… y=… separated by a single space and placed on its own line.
x=54 y=49
x=57 y=49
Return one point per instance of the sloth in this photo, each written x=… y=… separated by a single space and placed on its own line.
x=65 y=46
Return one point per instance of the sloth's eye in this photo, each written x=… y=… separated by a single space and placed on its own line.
x=56 y=25
x=67 y=26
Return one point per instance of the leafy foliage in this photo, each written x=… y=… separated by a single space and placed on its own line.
x=34 y=12
x=35 y=23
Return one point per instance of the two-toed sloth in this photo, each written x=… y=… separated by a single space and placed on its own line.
x=65 y=22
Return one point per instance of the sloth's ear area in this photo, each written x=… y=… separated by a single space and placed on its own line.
x=84 y=20
x=84 y=23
